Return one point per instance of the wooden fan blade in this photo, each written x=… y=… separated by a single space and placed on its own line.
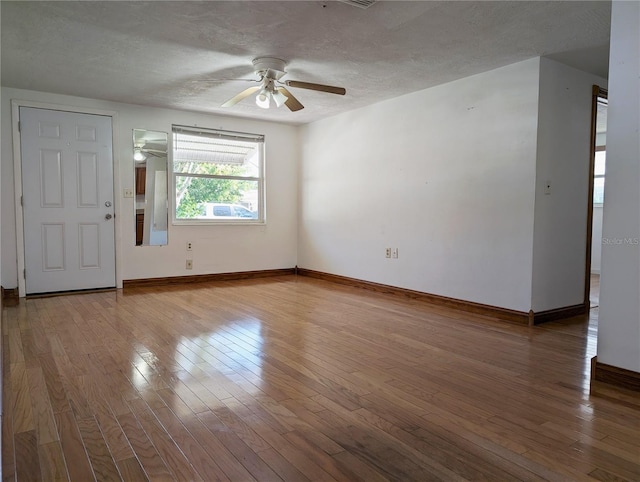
x=292 y=103
x=245 y=93
x=319 y=87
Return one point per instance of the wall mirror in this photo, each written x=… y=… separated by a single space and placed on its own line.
x=151 y=187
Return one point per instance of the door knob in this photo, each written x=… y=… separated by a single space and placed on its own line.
x=108 y=204
x=108 y=216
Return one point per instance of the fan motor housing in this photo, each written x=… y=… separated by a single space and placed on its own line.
x=270 y=67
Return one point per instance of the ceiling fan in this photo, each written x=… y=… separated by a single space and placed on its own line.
x=269 y=71
x=141 y=151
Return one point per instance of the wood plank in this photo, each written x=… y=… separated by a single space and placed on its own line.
x=603 y=475
x=357 y=469
x=79 y=465
x=8 y=445
x=111 y=430
x=27 y=460
x=307 y=443
x=42 y=412
x=53 y=382
x=247 y=457
x=101 y=459
x=52 y=462
x=151 y=462
x=203 y=464
x=443 y=446
x=167 y=448
x=231 y=466
x=500 y=451
x=241 y=429
x=627 y=465
x=21 y=406
x=291 y=455
x=131 y=470
x=16 y=354
x=282 y=467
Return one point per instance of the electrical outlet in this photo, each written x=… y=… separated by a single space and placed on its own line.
x=189 y=264
x=127 y=193
x=394 y=253
x=189 y=246
x=387 y=252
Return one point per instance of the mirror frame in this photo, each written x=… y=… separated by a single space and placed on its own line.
x=151 y=187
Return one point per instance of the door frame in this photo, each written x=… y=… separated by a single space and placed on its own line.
x=596 y=92
x=17 y=178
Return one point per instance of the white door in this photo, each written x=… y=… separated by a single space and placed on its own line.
x=67 y=187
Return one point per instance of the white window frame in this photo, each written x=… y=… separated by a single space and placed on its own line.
x=222 y=134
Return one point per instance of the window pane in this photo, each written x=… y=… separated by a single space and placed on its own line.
x=601 y=158
x=598 y=190
x=206 y=198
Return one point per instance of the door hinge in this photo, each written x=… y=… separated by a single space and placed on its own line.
x=24 y=273
x=21 y=200
x=19 y=126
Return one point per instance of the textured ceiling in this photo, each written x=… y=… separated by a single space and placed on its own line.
x=154 y=53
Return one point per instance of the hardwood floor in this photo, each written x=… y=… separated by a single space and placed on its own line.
x=299 y=379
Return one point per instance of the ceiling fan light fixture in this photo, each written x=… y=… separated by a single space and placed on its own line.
x=138 y=155
x=279 y=98
x=262 y=99
x=269 y=71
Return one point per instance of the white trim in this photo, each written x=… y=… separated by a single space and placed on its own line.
x=217 y=222
x=17 y=189
x=17 y=178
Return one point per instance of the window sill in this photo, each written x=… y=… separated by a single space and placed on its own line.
x=202 y=222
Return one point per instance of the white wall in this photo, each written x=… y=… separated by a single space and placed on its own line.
x=596 y=240
x=619 y=320
x=217 y=249
x=445 y=174
x=563 y=158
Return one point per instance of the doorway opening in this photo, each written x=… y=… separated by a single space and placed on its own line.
x=596 y=195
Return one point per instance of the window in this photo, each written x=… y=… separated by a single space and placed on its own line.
x=601 y=151
x=598 y=176
x=218 y=176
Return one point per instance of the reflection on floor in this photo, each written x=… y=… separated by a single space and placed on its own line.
x=594 y=291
